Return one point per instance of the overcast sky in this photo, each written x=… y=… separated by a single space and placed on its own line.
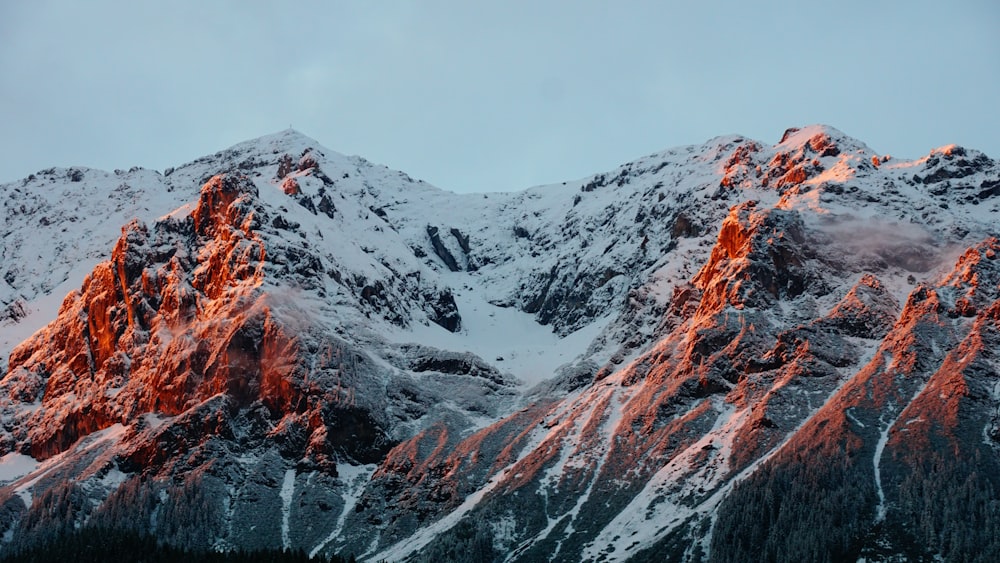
x=471 y=96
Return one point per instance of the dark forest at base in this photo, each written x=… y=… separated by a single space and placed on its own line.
x=97 y=545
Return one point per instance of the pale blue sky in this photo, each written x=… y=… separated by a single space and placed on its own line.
x=475 y=96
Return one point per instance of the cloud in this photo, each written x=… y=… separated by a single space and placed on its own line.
x=902 y=245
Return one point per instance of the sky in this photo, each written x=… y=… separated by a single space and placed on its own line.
x=486 y=96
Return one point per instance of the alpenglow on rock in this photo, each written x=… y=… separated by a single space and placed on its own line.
x=725 y=352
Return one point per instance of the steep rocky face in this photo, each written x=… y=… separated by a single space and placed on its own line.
x=159 y=329
x=918 y=413
x=757 y=352
x=185 y=348
x=767 y=332
x=665 y=435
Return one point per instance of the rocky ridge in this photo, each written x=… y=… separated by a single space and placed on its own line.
x=294 y=358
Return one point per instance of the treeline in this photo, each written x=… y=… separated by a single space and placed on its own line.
x=948 y=510
x=186 y=514
x=942 y=506
x=470 y=540
x=816 y=508
x=99 y=545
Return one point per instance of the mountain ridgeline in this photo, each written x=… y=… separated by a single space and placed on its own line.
x=726 y=352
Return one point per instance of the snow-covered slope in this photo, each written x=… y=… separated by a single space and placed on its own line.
x=278 y=345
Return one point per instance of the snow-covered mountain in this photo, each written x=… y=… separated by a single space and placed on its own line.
x=723 y=352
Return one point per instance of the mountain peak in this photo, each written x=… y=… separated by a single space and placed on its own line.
x=252 y=154
x=287 y=139
x=290 y=348
x=811 y=135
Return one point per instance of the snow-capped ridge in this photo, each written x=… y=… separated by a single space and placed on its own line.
x=321 y=353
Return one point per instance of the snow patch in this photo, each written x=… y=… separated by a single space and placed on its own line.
x=509 y=339
x=13 y=466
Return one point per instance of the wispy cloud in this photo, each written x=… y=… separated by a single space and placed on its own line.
x=903 y=245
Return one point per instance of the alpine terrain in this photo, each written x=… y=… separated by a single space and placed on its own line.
x=734 y=351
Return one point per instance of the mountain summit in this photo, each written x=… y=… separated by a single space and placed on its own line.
x=724 y=352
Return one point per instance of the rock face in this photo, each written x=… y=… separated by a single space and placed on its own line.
x=158 y=329
x=743 y=352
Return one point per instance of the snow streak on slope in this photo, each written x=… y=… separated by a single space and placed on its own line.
x=354 y=478
x=652 y=513
x=880 y=509
x=423 y=536
x=287 y=488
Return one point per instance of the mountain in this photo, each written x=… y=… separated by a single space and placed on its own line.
x=723 y=352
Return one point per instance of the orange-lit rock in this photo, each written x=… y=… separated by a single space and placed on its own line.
x=169 y=338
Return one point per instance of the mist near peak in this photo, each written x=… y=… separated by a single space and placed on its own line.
x=882 y=243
